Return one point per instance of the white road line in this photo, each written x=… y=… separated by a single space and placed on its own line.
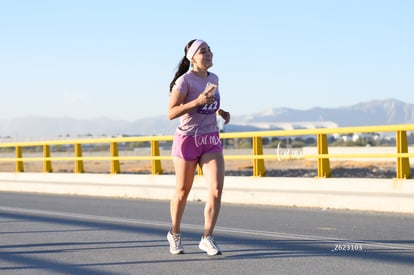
x=220 y=229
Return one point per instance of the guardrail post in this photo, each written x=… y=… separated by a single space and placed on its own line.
x=115 y=167
x=258 y=164
x=403 y=163
x=155 y=163
x=324 y=169
x=78 y=162
x=19 y=162
x=199 y=170
x=47 y=163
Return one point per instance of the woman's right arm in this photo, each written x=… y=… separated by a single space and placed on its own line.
x=177 y=108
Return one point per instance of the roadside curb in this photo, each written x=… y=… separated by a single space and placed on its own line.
x=384 y=195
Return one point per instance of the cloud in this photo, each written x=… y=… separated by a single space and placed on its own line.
x=75 y=99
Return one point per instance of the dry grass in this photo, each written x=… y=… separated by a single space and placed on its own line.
x=167 y=166
x=284 y=167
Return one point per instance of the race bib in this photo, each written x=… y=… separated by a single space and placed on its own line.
x=208 y=109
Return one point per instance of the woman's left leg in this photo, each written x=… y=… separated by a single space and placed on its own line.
x=212 y=165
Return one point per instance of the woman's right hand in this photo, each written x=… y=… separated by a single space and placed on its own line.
x=207 y=96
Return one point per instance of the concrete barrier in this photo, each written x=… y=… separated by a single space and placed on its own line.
x=385 y=195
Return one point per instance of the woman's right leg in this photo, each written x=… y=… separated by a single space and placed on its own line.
x=184 y=173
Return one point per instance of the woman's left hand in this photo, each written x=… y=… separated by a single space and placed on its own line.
x=225 y=115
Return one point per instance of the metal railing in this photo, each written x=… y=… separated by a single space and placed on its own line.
x=403 y=170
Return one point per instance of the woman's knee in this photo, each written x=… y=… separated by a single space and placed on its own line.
x=181 y=194
x=215 y=192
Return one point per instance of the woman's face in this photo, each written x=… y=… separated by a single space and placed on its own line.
x=203 y=58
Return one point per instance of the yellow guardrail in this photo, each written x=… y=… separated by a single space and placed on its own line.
x=402 y=155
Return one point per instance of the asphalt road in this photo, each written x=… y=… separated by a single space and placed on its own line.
x=52 y=234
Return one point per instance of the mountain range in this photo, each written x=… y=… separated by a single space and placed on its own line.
x=376 y=112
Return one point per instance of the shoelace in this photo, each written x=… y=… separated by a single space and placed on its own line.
x=177 y=239
x=211 y=242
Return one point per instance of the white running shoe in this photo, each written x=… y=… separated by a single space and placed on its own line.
x=175 y=243
x=208 y=244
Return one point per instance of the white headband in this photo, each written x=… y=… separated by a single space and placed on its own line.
x=194 y=47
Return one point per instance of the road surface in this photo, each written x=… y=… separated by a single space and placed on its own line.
x=55 y=234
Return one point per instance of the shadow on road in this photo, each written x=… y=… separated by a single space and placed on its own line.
x=155 y=248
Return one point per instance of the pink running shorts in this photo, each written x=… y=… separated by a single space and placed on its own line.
x=191 y=148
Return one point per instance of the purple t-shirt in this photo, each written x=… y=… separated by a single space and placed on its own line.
x=202 y=119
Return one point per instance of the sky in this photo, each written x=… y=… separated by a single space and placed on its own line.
x=99 y=58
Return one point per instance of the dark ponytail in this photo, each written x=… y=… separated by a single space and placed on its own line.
x=183 y=66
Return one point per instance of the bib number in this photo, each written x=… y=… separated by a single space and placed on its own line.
x=208 y=108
